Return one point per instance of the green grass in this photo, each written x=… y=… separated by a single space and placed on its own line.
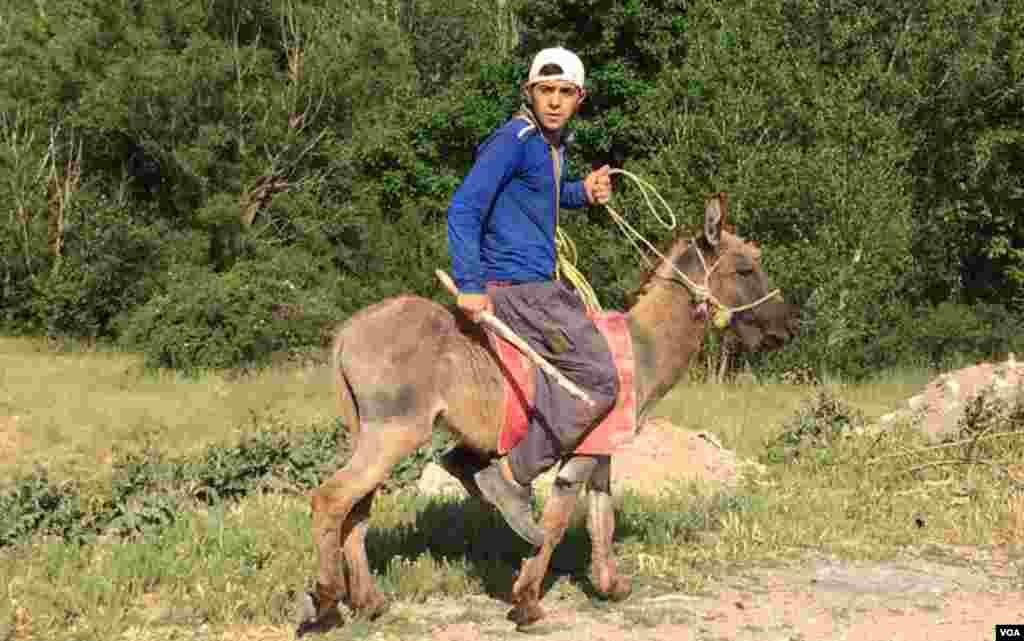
x=205 y=559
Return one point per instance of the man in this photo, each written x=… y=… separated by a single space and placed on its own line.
x=501 y=233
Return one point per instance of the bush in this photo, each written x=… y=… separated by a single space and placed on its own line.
x=818 y=422
x=949 y=335
x=109 y=263
x=234 y=319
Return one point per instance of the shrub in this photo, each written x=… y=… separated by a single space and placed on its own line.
x=237 y=318
x=32 y=504
x=110 y=264
x=148 y=489
x=818 y=422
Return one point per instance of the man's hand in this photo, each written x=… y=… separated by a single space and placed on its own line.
x=473 y=304
x=598 y=186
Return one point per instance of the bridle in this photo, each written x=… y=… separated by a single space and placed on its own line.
x=703 y=299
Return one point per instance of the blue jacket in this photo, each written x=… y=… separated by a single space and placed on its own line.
x=502 y=220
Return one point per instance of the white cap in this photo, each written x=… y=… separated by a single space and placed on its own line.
x=572 y=66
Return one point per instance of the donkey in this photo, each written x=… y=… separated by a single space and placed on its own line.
x=407 y=366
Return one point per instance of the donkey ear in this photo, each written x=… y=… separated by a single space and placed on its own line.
x=714 y=218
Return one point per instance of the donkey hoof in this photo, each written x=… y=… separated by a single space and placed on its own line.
x=328 y=621
x=372 y=610
x=614 y=589
x=304 y=608
x=525 y=615
x=311 y=618
x=622 y=587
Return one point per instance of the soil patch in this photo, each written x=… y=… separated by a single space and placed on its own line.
x=12 y=440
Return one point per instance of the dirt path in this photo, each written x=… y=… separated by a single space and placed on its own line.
x=950 y=594
x=956 y=598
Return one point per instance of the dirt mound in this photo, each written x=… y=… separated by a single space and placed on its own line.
x=661 y=453
x=938 y=409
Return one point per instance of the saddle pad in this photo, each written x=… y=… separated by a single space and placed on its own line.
x=615 y=430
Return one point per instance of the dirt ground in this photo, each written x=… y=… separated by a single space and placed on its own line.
x=929 y=594
x=12 y=440
x=938 y=595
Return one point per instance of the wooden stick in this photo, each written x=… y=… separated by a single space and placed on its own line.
x=506 y=332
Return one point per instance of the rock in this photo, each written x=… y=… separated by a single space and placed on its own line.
x=176 y=615
x=435 y=481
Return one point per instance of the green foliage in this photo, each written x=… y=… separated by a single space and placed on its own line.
x=814 y=429
x=950 y=335
x=231 y=472
x=409 y=469
x=870 y=147
x=33 y=504
x=239 y=317
x=663 y=523
x=111 y=265
x=148 y=489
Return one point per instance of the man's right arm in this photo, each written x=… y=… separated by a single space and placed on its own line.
x=497 y=162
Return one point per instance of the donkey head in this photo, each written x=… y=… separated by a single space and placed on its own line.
x=737 y=280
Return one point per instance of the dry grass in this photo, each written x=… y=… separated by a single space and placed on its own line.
x=75 y=408
x=742 y=415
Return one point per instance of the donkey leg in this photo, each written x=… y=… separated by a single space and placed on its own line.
x=601 y=524
x=555 y=521
x=378 y=449
x=463 y=463
x=363 y=596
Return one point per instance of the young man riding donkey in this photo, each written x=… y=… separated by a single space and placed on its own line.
x=501 y=234
x=407 y=366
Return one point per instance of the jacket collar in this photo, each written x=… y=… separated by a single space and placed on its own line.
x=525 y=112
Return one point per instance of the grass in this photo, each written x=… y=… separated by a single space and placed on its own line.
x=201 y=559
x=75 y=408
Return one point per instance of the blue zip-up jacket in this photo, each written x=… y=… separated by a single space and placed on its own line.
x=501 y=223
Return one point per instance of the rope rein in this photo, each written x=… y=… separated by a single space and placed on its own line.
x=568 y=255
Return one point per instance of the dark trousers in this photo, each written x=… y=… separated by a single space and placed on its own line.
x=553 y=320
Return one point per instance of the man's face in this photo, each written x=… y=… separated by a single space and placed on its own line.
x=555 y=103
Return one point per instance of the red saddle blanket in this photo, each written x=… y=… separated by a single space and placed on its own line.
x=615 y=430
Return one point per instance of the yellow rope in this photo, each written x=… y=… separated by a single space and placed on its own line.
x=568 y=256
x=566 y=268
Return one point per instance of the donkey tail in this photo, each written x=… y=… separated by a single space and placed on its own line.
x=347 y=408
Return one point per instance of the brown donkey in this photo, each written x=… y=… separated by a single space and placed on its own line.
x=408 y=366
